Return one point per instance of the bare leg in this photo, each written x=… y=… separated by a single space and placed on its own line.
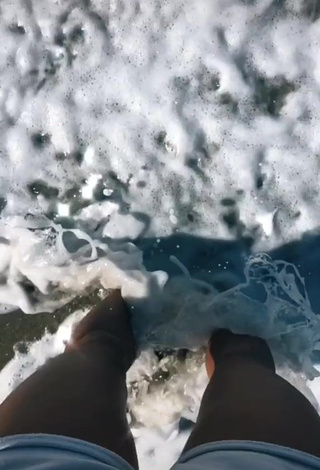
x=82 y=392
x=246 y=400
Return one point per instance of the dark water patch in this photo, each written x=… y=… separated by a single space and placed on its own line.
x=39 y=187
x=270 y=95
x=17 y=29
x=40 y=140
x=3 y=203
x=311 y=9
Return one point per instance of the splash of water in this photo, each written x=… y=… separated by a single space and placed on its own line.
x=174 y=313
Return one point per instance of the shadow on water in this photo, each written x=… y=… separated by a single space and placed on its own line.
x=222 y=262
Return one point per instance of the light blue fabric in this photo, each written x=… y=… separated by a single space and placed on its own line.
x=48 y=452
x=245 y=455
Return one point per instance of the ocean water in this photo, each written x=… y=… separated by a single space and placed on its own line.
x=170 y=149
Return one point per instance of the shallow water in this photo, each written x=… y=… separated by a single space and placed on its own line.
x=156 y=147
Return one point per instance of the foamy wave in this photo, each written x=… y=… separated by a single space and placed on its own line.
x=39 y=273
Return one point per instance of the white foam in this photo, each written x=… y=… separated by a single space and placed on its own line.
x=154 y=69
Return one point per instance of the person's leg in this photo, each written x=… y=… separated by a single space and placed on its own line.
x=247 y=400
x=82 y=392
